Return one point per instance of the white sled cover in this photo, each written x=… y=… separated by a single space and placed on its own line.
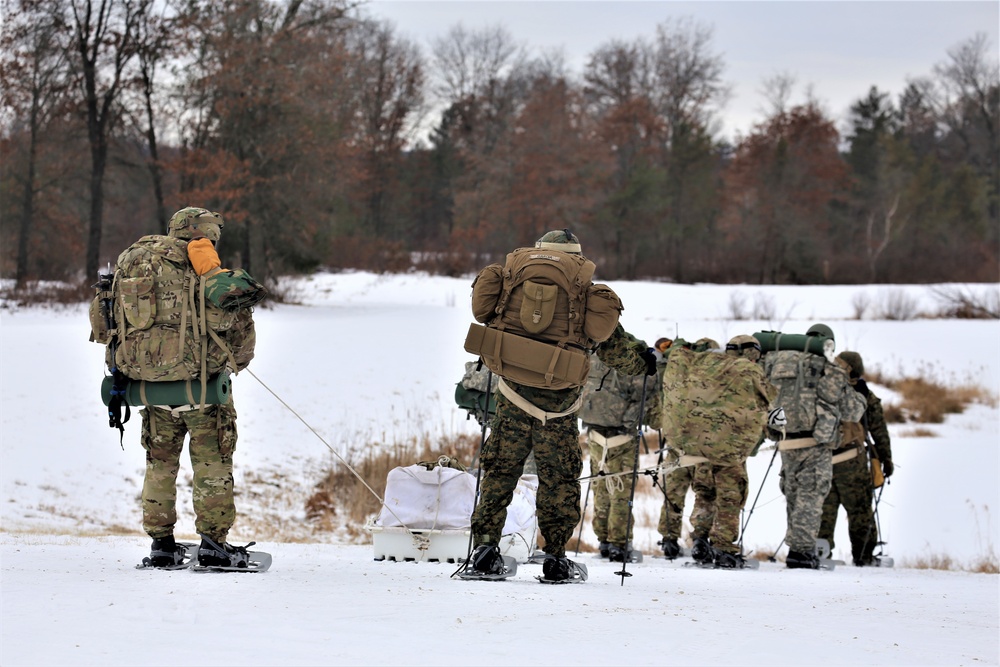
x=443 y=498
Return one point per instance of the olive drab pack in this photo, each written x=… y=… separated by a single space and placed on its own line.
x=543 y=315
x=609 y=398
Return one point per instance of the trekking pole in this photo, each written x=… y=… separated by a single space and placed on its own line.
x=750 y=513
x=479 y=474
x=774 y=557
x=635 y=476
x=583 y=517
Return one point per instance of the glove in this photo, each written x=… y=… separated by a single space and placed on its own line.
x=776 y=419
x=887 y=468
x=650 y=358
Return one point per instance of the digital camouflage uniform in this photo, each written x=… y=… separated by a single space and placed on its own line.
x=558 y=456
x=806 y=473
x=715 y=406
x=852 y=480
x=211 y=448
x=610 y=412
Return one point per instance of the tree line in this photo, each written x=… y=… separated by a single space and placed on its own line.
x=327 y=139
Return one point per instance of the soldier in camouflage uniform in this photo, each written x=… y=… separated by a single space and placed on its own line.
x=806 y=456
x=610 y=412
x=212 y=430
x=677 y=482
x=554 y=439
x=715 y=406
x=852 y=478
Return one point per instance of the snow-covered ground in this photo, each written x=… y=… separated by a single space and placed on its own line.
x=370 y=358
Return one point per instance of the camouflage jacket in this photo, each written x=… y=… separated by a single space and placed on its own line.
x=874 y=421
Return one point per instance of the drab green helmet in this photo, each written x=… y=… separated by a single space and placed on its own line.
x=560 y=239
x=185 y=221
x=820 y=330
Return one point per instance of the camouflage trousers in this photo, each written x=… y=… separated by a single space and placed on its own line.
x=805 y=480
x=852 y=488
x=719 y=495
x=611 y=494
x=558 y=459
x=676 y=484
x=213 y=441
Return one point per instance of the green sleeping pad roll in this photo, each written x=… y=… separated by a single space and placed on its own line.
x=177 y=392
x=772 y=341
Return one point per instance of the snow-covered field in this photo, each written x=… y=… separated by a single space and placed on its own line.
x=370 y=358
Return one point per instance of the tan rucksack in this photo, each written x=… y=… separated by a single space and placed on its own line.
x=543 y=314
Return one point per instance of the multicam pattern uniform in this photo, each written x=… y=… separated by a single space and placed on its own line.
x=852 y=482
x=610 y=410
x=213 y=442
x=558 y=456
x=715 y=405
x=806 y=473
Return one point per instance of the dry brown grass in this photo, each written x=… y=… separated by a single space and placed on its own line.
x=926 y=400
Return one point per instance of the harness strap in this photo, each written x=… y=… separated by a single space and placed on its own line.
x=845 y=456
x=532 y=409
x=797 y=443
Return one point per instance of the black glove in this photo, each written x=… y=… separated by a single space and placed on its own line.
x=650 y=358
x=887 y=468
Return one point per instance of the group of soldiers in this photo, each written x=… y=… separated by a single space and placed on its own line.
x=738 y=399
x=721 y=491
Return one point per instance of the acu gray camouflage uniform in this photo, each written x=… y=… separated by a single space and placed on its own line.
x=610 y=411
x=816 y=396
x=558 y=457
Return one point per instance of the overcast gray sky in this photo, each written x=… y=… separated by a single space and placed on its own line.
x=839 y=48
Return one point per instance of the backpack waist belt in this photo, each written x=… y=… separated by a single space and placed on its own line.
x=612 y=442
x=846 y=454
x=797 y=443
x=531 y=408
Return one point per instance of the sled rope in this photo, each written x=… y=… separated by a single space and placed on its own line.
x=421 y=542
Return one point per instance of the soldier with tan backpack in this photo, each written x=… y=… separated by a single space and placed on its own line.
x=541 y=316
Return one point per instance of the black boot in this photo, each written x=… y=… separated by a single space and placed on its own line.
x=729 y=561
x=604 y=548
x=165 y=552
x=556 y=569
x=801 y=560
x=617 y=554
x=702 y=551
x=212 y=553
x=671 y=549
x=486 y=559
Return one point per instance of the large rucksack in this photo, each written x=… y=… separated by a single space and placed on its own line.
x=167 y=329
x=714 y=405
x=814 y=393
x=543 y=314
x=609 y=398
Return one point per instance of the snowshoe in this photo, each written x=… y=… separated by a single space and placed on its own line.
x=166 y=554
x=562 y=571
x=822 y=551
x=215 y=557
x=604 y=549
x=487 y=564
x=727 y=561
x=876 y=561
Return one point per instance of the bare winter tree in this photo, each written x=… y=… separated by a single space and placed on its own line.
x=33 y=74
x=103 y=46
